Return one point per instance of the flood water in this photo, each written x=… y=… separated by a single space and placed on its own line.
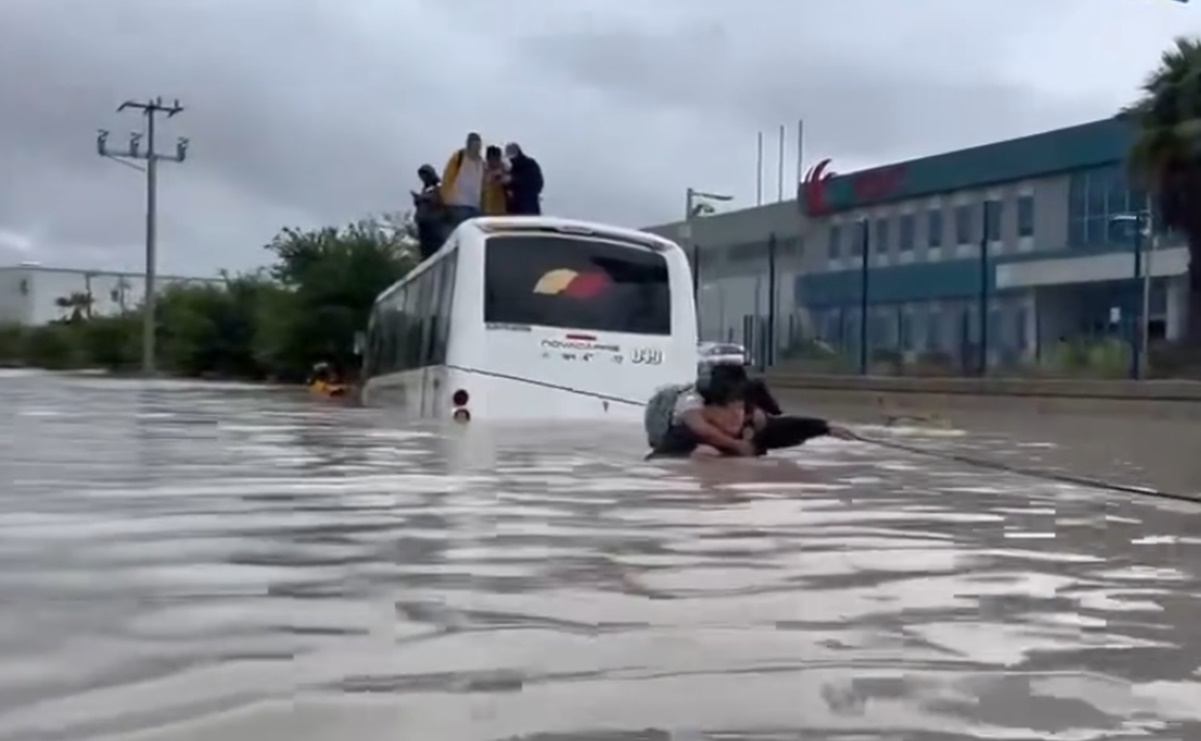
x=185 y=561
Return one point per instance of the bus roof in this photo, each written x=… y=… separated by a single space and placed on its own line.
x=517 y=224
x=493 y=224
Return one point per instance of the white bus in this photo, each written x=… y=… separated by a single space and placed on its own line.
x=534 y=318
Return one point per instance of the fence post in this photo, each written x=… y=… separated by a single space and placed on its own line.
x=863 y=302
x=983 y=360
x=771 y=300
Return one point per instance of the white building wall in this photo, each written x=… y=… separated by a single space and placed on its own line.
x=1177 y=309
x=29 y=294
x=15 y=286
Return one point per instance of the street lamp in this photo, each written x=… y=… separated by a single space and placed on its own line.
x=1144 y=226
x=698 y=204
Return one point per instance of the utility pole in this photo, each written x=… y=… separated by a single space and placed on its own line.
x=150 y=109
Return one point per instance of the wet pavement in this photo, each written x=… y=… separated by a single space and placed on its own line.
x=1130 y=450
x=184 y=561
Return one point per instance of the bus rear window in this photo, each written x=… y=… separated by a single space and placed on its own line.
x=576 y=283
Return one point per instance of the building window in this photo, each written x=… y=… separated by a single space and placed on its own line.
x=1026 y=216
x=996 y=326
x=835 y=246
x=934 y=338
x=791 y=246
x=882 y=236
x=907 y=233
x=994 y=213
x=934 y=228
x=832 y=329
x=858 y=234
x=883 y=329
x=905 y=331
x=963 y=224
x=1095 y=198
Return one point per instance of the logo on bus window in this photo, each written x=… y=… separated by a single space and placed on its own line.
x=572 y=284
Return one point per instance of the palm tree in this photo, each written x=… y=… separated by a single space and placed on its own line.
x=78 y=304
x=1166 y=156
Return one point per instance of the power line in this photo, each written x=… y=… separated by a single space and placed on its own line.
x=150 y=109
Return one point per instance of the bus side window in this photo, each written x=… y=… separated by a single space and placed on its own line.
x=371 y=352
x=396 y=337
x=433 y=278
x=445 y=305
x=412 y=334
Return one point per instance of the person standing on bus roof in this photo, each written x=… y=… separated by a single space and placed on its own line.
x=429 y=216
x=525 y=182
x=463 y=182
x=496 y=177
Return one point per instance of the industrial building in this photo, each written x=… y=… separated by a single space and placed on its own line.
x=30 y=293
x=1053 y=213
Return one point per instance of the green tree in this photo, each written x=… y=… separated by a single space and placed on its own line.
x=110 y=342
x=1166 y=155
x=271 y=324
x=54 y=346
x=12 y=344
x=210 y=329
x=333 y=276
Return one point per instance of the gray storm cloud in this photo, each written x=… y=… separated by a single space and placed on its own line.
x=312 y=112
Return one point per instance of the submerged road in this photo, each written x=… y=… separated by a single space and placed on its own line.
x=185 y=561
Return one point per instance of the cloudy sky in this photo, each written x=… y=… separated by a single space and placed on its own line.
x=308 y=112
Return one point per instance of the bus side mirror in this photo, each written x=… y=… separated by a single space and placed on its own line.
x=360 y=342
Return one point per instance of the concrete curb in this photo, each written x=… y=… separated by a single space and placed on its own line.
x=1123 y=390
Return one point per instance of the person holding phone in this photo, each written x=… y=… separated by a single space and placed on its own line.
x=496 y=180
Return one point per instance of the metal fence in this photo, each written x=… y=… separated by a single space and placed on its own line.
x=974 y=336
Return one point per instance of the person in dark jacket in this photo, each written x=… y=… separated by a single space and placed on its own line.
x=693 y=428
x=524 y=192
x=429 y=214
x=769 y=427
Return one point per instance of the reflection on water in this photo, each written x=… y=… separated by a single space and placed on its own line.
x=181 y=561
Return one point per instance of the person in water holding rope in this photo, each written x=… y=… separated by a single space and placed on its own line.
x=694 y=419
x=701 y=420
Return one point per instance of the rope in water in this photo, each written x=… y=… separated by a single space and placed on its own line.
x=1037 y=473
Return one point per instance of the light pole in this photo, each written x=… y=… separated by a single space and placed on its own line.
x=865 y=237
x=150 y=109
x=1144 y=232
x=698 y=204
x=983 y=308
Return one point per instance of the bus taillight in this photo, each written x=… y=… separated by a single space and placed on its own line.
x=459 y=399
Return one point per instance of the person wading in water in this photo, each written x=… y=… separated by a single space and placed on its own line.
x=692 y=419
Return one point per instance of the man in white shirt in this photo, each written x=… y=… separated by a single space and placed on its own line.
x=463 y=182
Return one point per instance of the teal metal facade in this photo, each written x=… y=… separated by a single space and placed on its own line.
x=1080 y=147
x=1092 y=157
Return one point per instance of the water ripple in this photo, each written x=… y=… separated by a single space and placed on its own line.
x=183 y=561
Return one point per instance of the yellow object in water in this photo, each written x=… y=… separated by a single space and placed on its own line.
x=327 y=389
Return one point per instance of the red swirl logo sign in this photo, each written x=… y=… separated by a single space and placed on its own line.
x=813 y=189
x=869 y=186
